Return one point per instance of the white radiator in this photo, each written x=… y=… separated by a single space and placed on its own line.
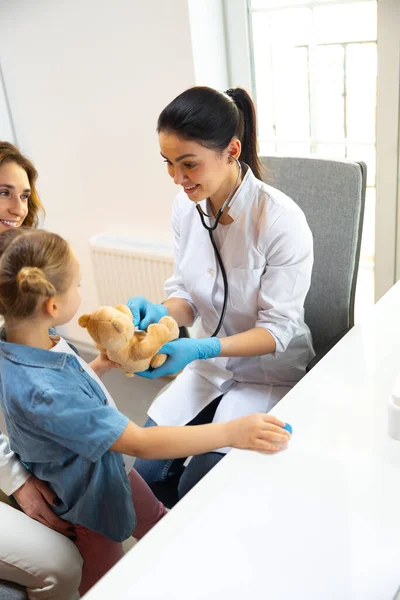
x=125 y=267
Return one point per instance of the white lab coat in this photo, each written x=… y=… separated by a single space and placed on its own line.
x=268 y=257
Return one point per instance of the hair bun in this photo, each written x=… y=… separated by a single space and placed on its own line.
x=31 y=280
x=231 y=93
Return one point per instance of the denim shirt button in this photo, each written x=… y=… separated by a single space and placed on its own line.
x=81 y=369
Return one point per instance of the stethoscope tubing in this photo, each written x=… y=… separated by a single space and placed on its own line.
x=226 y=287
x=211 y=229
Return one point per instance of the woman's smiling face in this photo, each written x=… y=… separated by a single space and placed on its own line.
x=14 y=195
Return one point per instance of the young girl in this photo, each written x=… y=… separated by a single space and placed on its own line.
x=60 y=418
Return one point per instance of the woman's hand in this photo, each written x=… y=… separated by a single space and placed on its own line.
x=102 y=364
x=258 y=432
x=181 y=352
x=34 y=497
x=145 y=312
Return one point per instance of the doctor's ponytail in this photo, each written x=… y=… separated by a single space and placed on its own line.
x=213 y=118
x=247 y=129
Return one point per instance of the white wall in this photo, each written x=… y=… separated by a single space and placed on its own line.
x=86 y=80
x=207 y=28
x=6 y=129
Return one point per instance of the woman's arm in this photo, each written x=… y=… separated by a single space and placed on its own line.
x=33 y=496
x=12 y=473
x=183 y=351
x=254 y=432
x=254 y=342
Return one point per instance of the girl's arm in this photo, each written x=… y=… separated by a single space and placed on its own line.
x=253 y=432
x=102 y=364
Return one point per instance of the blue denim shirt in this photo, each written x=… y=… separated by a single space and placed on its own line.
x=61 y=427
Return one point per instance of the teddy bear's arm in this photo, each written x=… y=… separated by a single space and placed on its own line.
x=157 y=335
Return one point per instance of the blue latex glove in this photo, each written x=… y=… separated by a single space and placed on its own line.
x=181 y=352
x=145 y=312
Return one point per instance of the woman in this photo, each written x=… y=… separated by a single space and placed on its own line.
x=55 y=571
x=208 y=140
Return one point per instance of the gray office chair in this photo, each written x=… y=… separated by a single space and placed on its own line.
x=332 y=195
x=12 y=591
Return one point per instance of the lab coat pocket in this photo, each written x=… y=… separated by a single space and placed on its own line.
x=244 y=289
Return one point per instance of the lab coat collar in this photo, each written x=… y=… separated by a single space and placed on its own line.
x=240 y=199
x=243 y=193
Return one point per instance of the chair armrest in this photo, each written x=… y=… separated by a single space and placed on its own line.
x=321 y=353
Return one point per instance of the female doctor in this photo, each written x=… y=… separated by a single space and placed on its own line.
x=208 y=141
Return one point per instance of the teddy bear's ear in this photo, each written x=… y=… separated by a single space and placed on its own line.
x=118 y=324
x=83 y=320
x=124 y=309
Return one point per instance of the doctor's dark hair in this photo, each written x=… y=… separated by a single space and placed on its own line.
x=34 y=264
x=213 y=118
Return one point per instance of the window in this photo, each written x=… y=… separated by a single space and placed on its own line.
x=314 y=68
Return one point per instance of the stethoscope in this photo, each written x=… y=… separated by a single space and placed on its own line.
x=210 y=229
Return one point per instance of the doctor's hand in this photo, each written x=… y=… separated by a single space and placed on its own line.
x=145 y=312
x=181 y=352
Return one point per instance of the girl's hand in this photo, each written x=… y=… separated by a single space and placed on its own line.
x=258 y=432
x=102 y=364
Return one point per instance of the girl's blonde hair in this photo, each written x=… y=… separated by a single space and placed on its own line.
x=34 y=264
x=10 y=153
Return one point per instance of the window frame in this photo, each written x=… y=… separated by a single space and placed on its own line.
x=237 y=17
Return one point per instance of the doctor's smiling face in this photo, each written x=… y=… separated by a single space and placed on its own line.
x=202 y=172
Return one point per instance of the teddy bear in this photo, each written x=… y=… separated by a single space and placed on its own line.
x=113 y=331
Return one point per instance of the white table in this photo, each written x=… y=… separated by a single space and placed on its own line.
x=319 y=521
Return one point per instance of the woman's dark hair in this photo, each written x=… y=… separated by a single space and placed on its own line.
x=213 y=118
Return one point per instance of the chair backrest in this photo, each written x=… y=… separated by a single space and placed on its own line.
x=332 y=195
